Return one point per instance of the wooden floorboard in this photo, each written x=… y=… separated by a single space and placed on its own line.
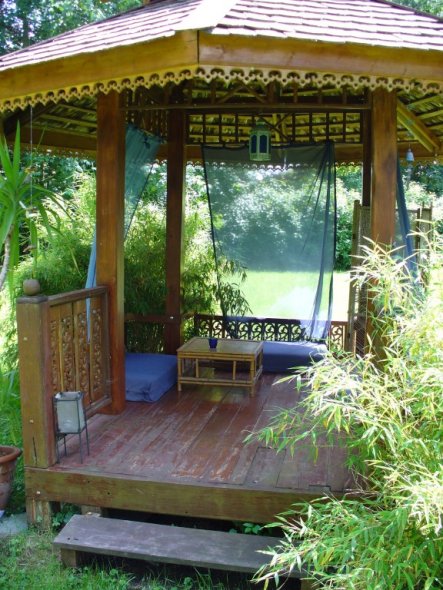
x=197 y=437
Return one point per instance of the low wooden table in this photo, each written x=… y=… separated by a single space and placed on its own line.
x=196 y=352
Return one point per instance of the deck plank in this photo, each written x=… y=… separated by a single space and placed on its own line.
x=279 y=394
x=195 y=439
x=166 y=544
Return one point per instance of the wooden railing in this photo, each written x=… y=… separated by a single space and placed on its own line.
x=252 y=328
x=63 y=346
x=146 y=332
x=79 y=344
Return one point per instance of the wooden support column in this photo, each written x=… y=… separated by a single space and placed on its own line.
x=110 y=231
x=174 y=228
x=35 y=382
x=384 y=186
x=384 y=165
x=367 y=159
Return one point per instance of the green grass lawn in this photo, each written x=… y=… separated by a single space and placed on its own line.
x=281 y=294
x=28 y=562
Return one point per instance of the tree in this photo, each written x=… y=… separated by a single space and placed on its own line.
x=430 y=6
x=28 y=21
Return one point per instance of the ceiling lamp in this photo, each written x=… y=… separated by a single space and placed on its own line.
x=260 y=143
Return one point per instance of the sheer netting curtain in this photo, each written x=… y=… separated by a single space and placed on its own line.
x=140 y=154
x=275 y=222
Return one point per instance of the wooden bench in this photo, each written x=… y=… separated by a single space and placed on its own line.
x=163 y=544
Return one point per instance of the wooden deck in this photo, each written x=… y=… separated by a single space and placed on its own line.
x=185 y=455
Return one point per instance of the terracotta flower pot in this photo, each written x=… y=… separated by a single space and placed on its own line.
x=8 y=459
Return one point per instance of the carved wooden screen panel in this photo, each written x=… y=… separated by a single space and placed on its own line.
x=250 y=328
x=79 y=347
x=99 y=350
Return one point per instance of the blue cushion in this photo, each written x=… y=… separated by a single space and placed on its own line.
x=279 y=357
x=149 y=376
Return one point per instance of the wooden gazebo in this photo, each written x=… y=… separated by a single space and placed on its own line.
x=366 y=74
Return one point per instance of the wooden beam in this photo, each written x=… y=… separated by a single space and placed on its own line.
x=35 y=381
x=70 y=121
x=431 y=114
x=174 y=226
x=88 y=68
x=367 y=163
x=161 y=497
x=24 y=118
x=110 y=230
x=421 y=154
x=384 y=165
x=417 y=128
x=59 y=140
x=246 y=108
x=316 y=56
x=190 y=49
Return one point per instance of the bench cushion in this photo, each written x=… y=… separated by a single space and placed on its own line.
x=149 y=376
x=279 y=357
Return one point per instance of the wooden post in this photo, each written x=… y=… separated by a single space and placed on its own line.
x=110 y=231
x=384 y=186
x=174 y=228
x=384 y=165
x=367 y=161
x=35 y=382
x=39 y=512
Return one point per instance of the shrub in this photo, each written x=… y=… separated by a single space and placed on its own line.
x=389 y=411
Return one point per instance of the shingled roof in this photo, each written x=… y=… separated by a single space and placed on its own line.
x=365 y=22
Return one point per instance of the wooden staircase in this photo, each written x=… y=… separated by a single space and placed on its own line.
x=91 y=534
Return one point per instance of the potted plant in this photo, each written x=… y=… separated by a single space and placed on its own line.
x=8 y=460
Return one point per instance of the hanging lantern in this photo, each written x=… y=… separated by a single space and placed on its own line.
x=409 y=156
x=260 y=143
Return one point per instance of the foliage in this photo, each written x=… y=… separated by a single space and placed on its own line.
x=246 y=528
x=28 y=562
x=28 y=21
x=63 y=261
x=431 y=6
x=22 y=206
x=389 y=411
x=430 y=176
x=11 y=432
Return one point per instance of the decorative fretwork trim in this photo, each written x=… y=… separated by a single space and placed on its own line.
x=209 y=73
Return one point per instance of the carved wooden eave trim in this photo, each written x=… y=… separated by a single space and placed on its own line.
x=199 y=54
x=209 y=73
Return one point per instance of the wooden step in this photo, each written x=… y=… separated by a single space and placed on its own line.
x=163 y=544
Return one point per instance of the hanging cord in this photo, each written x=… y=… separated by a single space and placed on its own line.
x=31 y=138
x=31 y=212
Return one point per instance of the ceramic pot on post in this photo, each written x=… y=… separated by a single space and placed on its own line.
x=31 y=287
x=8 y=460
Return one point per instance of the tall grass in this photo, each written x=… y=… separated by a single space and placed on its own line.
x=27 y=562
x=388 y=409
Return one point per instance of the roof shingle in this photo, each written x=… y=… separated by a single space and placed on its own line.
x=365 y=22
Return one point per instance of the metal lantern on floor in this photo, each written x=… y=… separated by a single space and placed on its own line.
x=70 y=417
x=260 y=143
